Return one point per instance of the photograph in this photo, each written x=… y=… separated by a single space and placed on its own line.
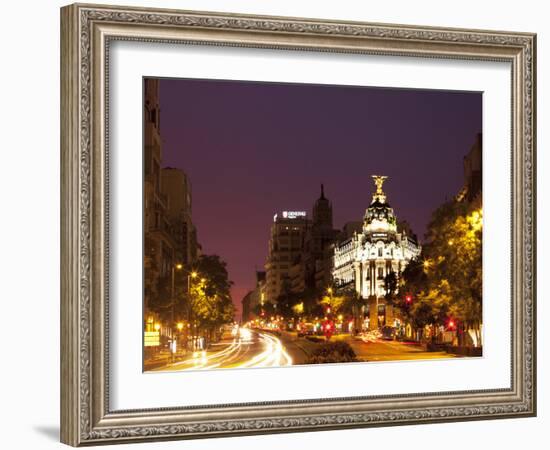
x=291 y=224
x=277 y=221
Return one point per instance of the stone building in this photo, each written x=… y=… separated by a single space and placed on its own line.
x=363 y=261
x=254 y=298
x=159 y=243
x=286 y=244
x=169 y=234
x=473 y=181
x=176 y=187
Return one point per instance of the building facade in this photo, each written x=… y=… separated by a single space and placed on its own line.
x=473 y=180
x=254 y=299
x=176 y=187
x=286 y=244
x=381 y=248
x=159 y=243
x=169 y=234
x=312 y=270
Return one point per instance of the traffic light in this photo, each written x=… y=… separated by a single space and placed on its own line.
x=408 y=299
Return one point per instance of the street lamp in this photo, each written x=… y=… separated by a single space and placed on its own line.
x=191 y=276
x=175 y=267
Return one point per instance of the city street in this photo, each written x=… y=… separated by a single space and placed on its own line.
x=381 y=350
x=249 y=348
x=256 y=348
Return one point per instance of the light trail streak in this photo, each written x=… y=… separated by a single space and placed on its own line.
x=242 y=352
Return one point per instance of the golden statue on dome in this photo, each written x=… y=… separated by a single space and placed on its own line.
x=379 y=194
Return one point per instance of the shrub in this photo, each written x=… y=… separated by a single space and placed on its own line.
x=332 y=352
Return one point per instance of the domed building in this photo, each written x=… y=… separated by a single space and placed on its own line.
x=363 y=261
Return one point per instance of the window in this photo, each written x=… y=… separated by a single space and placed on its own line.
x=380 y=251
x=380 y=272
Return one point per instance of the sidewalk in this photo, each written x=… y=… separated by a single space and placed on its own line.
x=163 y=358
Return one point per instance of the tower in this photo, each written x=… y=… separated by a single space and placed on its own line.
x=322 y=211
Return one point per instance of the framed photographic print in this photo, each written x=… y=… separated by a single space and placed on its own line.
x=276 y=225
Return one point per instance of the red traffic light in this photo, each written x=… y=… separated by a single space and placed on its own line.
x=451 y=324
x=408 y=298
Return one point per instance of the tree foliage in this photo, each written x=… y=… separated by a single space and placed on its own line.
x=210 y=296
x=446 y=281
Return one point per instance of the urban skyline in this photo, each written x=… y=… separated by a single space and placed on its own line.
x=245 y=266
x=259 y=141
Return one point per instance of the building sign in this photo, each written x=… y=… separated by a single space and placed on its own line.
x=380 y=235
x=151 y=339
x=293 y=214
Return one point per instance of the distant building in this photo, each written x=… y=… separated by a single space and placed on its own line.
x=253 y=300
x=316 y=258
x=286 y=244
x=349 y=229
x=246 y=313
x=473 y=180
x=176 y=186
x=363 y=260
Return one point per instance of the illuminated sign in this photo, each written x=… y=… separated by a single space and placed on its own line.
x=151 y=339
x=380 y=235
x=293 y=214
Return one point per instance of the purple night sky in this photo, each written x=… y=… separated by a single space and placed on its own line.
x=253 y=149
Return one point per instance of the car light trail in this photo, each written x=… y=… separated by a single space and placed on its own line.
x=248 y=349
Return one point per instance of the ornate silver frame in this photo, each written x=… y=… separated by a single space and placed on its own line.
x=86 y=31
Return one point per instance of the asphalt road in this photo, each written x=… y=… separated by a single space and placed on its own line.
x=256 y=348
x=249 y=348
x=380 y=350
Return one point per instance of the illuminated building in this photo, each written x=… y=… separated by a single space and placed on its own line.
x=285 y=245
x=363 y=261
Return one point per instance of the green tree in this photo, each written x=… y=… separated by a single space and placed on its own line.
x=446 y=281
x=210 y=296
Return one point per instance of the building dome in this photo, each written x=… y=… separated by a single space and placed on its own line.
x=379 y=216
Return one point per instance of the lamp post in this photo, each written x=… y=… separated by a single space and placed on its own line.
x=330 y=292
x=175 y=267
x=190 y=276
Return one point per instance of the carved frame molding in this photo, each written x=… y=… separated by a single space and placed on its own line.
x=86 y=33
